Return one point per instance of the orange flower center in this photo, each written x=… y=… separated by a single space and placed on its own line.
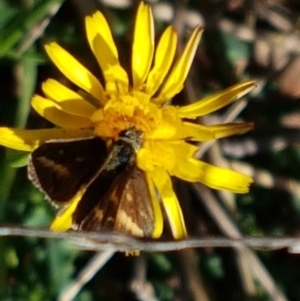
x=123 y=111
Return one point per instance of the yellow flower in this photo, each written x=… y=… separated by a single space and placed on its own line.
x=139 y=101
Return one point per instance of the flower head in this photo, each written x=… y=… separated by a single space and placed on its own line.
x=136 y=99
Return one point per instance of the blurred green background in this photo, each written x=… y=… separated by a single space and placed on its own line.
x=243 y=40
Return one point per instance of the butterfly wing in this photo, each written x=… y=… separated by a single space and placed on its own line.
x=125 y=207
x=135 y=214
x=60 y=167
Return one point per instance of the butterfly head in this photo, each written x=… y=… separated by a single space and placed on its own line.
x=133 y=136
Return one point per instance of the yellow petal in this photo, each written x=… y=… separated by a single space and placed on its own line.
x=186 y=171
x=179 y=153
x=216 y=101
x=197 y=131
x=143 y=45
x=63 y=221
x=145 y=159
x=165 y=154
x=163 y=59
x=96 y=25
x=158 y=227
x=68 y=100
x=105 y=51
x=28 y=140
x=167 y=125
x=229 y=129
x=212 y=176
x=176 y=79
x=163 y=184
x=52 y=112
x=162 y=154
x=75 y=72
x=203 y=133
